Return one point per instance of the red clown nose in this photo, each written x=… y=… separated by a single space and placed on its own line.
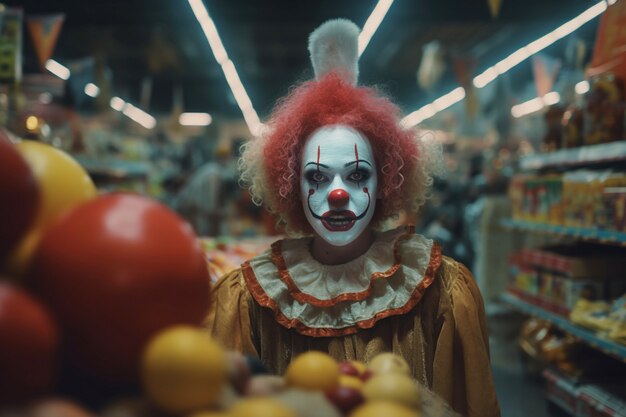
x=338 y=198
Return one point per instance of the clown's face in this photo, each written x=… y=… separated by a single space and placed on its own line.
x=338 y=183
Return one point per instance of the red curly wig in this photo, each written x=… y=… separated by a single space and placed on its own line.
x=331 y=101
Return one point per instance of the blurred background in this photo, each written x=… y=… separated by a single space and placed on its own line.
x=527 y=100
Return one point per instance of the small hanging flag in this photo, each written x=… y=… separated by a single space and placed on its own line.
x=494 y=7
x=44 y=30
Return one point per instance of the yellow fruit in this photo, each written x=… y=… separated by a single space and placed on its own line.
x=388 y=362
x=260 y=407
x=397 y=388
x=383 y=409
x=63 y=184
x=183 y=370
x=313 y=371
x=350 y=381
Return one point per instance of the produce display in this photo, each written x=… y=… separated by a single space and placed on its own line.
x=225 y=254
x=103 y=315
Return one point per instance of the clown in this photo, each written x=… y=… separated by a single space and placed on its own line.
x=335 y=166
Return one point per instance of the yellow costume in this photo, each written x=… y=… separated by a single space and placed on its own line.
x=400 y=296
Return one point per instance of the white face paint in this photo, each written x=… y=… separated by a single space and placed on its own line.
x=338 y=183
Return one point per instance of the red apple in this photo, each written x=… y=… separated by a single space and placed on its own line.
x=116 y=270
x=347 y=368
x=345 y=398
x=366 y=375
x=28 y=346
x=19 y=195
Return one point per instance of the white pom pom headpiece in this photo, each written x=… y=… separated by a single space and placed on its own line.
x=334 y=46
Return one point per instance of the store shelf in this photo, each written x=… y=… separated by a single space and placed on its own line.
x=604 y=345
x=598 y=235
x=607 y=152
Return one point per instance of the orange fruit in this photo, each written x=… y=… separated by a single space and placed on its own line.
x=183 y=370
x=388 y=362
x=313 y=371
x=383 y=408
x=397 y=388
x=260 y=407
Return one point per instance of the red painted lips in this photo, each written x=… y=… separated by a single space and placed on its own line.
x=338 y=220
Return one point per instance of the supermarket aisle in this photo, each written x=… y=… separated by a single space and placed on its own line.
x=519 y=395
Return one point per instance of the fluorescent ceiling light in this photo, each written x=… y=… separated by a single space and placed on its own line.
x=532 y=48
x=372 y=23
x=92 y=90
x=195 y=119
x=582 y=87
x=517 y=57
x=228 y=67
x=433 y=108
x=117 y=103
x=139 y=116
x=57 y=69
x=535 y=105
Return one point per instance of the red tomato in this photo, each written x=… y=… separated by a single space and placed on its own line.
x=28 y=346
x=19 y=196
x=114 y=271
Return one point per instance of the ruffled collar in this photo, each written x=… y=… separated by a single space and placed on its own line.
x=333 y=300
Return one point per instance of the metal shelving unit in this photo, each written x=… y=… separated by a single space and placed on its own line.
x=595 y=235
x=570 y=158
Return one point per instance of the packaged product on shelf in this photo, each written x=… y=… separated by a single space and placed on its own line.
x=614 y=202
x=553 y=137
x=580 y=197
x=537 y=198
x=557 y=277
x=517 y=196
x=617 y=331
x=604 y=110
x=572 y=127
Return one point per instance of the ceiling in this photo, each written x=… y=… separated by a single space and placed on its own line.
x=161 y=40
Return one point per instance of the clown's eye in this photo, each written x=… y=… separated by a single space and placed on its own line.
x=358 y=176
x=316 y=177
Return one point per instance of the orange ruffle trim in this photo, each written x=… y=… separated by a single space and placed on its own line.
x=265 y=301
x=304 y=298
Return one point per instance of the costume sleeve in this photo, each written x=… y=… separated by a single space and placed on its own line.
x=471 y=348
x=228 y=320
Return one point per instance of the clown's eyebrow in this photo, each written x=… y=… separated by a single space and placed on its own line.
x=356 y=162
x=315 y=163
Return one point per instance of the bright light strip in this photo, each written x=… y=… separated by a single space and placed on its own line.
x=210 y=30
x=372 y=23
x=139 y=116
x=433 y=108
x=117 y=103
x=517 y=57
x=535 y=105
x=582 y=87
x=493 y=72
x=195 y=119
x=92 y=90
x=230 y=72
x=57 y=69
